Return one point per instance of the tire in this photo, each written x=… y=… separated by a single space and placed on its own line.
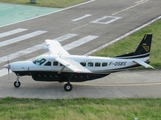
x=68 y=87
x=17 y=84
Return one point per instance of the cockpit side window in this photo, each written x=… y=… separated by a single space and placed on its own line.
x=39 y=61
x=83 y=63
x=42 y=61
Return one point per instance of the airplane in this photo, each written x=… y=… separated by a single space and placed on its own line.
x=61 y=66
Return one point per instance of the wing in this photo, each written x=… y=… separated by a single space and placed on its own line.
x=72 y=65
x=140 y=62
x=56 y=48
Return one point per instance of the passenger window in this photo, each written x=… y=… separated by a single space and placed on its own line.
x=61 y=64
x=55 y=63
x=83 y=63
x=48 y=63
x=97 y=64
x=104 y=64
x=90 y=64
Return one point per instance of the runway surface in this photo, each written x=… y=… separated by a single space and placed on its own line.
x=130 y=84
x=96 y=23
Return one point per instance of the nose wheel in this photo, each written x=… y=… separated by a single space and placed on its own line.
x=17 y=82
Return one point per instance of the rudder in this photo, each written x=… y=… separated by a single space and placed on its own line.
x=145 y=45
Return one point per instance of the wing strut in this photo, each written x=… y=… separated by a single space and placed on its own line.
x=61 y=70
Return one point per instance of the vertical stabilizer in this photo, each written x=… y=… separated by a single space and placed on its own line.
x=145 y=45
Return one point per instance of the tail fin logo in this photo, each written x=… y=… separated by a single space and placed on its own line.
x=146 y=48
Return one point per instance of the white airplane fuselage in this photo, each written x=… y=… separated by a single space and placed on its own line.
x=99 y=67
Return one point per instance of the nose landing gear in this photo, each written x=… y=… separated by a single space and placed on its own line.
x=17 y=82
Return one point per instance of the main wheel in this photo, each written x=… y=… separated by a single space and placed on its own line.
x=68 y=87
x=17 y=84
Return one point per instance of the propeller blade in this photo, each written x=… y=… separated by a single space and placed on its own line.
x=8 y=66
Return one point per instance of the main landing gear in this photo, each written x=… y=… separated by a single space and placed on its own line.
x=17 y=82
x=68 y=87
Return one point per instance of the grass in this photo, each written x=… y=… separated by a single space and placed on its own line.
x=130 y=43
x=80 y=109
x=46 y=3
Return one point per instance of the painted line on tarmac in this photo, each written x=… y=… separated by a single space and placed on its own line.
x=123 y=36
x=50 y=13
x=65 y=37
x=117 y=85
x=80 y=18
x=21 y=38
x=100 y=20
x=12 y=32
x=80 y=42
x=130 y=7
x=80 y=27
x=140 y=1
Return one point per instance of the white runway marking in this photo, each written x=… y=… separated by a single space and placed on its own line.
x=118 y=84
x=139 y=3
x=80 y=42
x=80 y=18
x=21 y=53
x=12 y=32
x=80 y=27
x=21 y=38
x=3 y=72
x=65 y=37
x=100 y=20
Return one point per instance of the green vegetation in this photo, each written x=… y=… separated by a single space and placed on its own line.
x=130 y=43
x=46 y=3
x=80 y=109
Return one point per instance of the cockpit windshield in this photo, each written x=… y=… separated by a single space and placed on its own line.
x=39 y=61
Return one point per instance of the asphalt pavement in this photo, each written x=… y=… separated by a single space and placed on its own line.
x=96 y=23
x=129 y=84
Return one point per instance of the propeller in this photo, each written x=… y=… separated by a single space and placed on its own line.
x=8 y=69
x=8 y=66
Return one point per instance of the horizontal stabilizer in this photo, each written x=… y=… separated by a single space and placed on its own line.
x=140 y=62
x=72 y=65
